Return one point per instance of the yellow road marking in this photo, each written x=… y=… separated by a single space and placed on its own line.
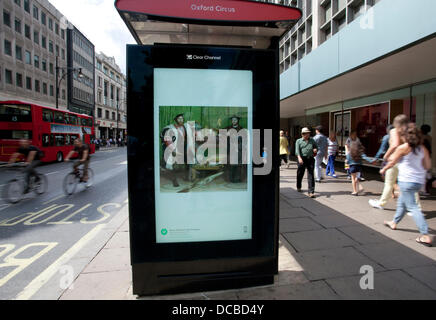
x=46 y=275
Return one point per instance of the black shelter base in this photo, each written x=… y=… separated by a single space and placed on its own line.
x=195 y=276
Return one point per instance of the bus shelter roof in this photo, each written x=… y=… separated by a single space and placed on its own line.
x=207 y=22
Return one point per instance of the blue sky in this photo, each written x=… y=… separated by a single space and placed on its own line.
x=100 y=22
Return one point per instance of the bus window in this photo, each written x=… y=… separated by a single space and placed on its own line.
x=59 y=117
x=15 y=113
x=15 y=134
x=67 y=118
x=73 y=137
x=73 y=119
x=89 y=122
x=67 y=140
x=59 y=140
x=47 y=115
x=83 y=121
x=46 y=140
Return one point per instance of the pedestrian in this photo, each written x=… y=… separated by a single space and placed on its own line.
x=321 y=141
x=354 y=159
x=391 y=174
x=413 y=161
x=384 y=146
x=305 y=150
x=284 y=151
x=332 y=150
x=427 y=141
x=352 y=138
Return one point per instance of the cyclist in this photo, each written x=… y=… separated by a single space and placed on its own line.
x=83 y=151
x=33 y=157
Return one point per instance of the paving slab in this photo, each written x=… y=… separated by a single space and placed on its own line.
x=394 y=255
x=426 y=275
x=286 y=211
x=394 y=284
x=318 y=240
x=298 y=224
x=119 y=240
x=335 y=221
x=364 y=235
x=317 y=290
x=115 y=259
x=334 y=263
x=100 y=286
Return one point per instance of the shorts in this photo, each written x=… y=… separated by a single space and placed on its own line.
x=354 y=168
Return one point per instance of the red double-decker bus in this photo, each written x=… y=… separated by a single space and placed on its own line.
x=51 y=130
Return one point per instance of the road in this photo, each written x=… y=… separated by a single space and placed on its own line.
x=41 y=233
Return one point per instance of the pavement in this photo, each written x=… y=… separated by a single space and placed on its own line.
x=332 y=247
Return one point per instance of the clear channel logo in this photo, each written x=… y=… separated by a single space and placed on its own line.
x=205 y=57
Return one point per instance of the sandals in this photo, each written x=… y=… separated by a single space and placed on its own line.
x=389 y=225
x=427 y=244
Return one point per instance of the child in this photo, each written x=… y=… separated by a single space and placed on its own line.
x=332 y=150
x=354 y=159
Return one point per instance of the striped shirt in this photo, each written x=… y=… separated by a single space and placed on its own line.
x=332 y=147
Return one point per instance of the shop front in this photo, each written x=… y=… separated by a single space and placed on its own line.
x=369 y=116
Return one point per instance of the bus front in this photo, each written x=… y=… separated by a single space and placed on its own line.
x=15 y=125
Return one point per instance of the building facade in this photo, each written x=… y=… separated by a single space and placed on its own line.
x=81 y=89
x=111 y=106
x=364 y=71
x=32 y=35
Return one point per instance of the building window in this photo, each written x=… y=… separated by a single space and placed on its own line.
x=8 y=47
x=28 y=83
x=44 y=65
x=18 y=2
x=113 y=115
x=8 y=76
x=36 y=61
x=27 y=5
x=99 y=112
x=28 y=57
x=44 y=88
x=50 y=46
x=27 y=31
x=50 y=24
x=43 y=18
x=19 y=80
x=57 y=50
x=44 y=42
x=63 y=34
x=63 y=94
x=56 y=28
x=18 y=25
x=6 y=18
x=35 y=12
x=51 y=91
x=107 y=114
x=18 y=53
x=36 y=37
x=63 y=54
x=51 y=68
x=37 y=88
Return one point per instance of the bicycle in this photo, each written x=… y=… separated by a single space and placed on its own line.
x=13 y=191
x=72 y=179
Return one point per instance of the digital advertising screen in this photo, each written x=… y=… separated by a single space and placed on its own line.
x=202 y=159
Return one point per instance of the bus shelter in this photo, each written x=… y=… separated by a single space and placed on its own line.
x=203 y=122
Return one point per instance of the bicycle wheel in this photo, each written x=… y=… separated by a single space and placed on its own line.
x=70 y=183
x=13 y=191
x=90 y=181
x=41 y=186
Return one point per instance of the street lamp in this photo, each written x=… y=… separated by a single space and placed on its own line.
x=65 y=71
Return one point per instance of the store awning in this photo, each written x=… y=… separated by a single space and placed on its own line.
x=207 y=22
x=410 y=66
